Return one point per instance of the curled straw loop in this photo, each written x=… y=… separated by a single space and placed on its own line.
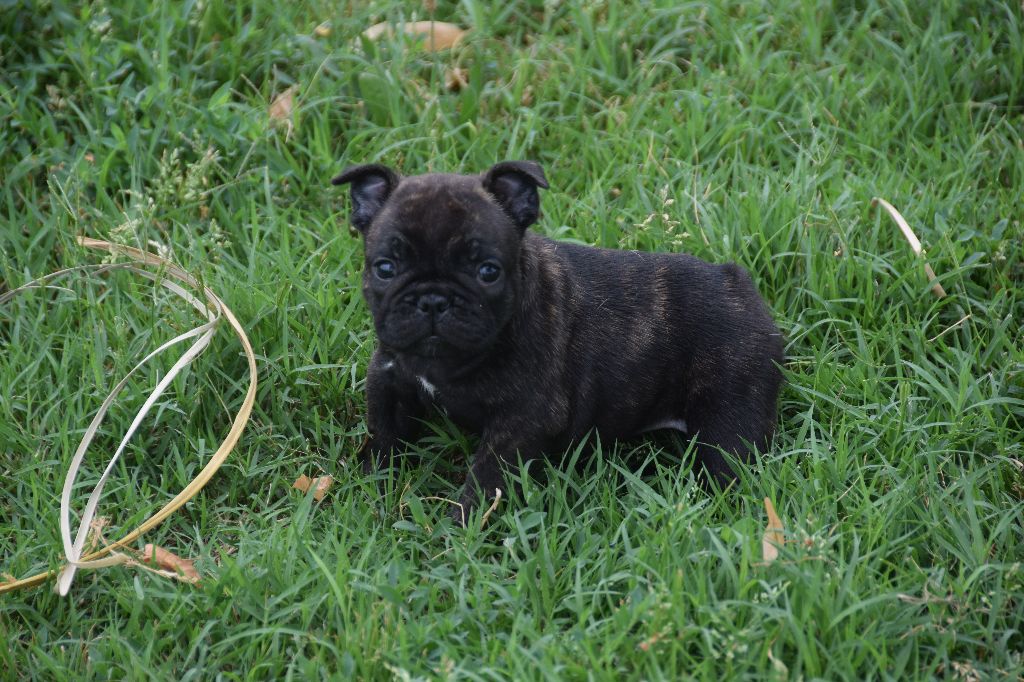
x=214 y=310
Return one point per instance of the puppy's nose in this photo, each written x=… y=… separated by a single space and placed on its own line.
x=433 y=303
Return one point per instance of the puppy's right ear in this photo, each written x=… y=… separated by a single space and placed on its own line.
x=372 y=184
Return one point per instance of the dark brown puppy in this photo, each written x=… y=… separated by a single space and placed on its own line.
x=533 y=344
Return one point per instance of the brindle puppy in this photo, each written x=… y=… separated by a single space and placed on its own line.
x=533 y=343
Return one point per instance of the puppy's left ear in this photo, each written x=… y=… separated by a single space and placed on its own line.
x=514 y=184
x=371 y=186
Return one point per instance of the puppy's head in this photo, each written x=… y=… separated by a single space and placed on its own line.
x=442 y=253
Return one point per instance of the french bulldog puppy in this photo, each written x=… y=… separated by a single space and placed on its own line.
x=533 y=344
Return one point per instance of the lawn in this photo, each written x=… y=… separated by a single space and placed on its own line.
x=755 y=132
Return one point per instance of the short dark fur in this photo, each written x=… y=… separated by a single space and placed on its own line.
x=565 y=341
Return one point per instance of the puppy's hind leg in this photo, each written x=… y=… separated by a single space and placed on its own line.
x=726 y=431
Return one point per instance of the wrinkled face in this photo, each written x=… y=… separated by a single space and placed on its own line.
x=441 y=264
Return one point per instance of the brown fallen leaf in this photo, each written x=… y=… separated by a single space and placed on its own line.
x=650 y=641
x=773 y=537
x=320 y=485
x=440 y=35
x=169 y=561
x=281 y=110
x=779 y=669
x=281 y=107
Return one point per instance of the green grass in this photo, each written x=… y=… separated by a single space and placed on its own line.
x=749 y=131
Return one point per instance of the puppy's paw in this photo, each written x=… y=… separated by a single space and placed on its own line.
x=468 y=503
x=369 y=462
x=375 y=457
x=461 y=512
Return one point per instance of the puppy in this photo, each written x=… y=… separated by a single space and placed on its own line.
x=533 y=344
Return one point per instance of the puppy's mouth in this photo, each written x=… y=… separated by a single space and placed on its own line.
x=432 y=346
x=437 y=346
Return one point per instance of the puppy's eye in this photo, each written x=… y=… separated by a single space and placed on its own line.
x=488 y=272
x=384 y=268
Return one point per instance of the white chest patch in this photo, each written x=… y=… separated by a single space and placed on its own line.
x=427 y=386
x=673 y=424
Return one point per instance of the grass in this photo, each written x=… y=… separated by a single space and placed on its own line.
x=749 y=131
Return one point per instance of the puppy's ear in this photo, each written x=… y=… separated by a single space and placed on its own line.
x=372 y=184
x=514 y=184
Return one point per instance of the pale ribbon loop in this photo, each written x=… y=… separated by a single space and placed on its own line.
x=214 y=310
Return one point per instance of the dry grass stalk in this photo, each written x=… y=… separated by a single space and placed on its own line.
x=914 y=242
x=490 y=510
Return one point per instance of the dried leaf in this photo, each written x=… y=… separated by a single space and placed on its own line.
x=167 y=560
x=281 y=107
x=439 y=34
x=779 y=669
x=650 y=642
x=455 y=79
x=773 y=537
x=378 y=30
x=320 y=485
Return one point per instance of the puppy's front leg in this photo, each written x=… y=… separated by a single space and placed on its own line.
x=392 y=414
x=496 y=454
